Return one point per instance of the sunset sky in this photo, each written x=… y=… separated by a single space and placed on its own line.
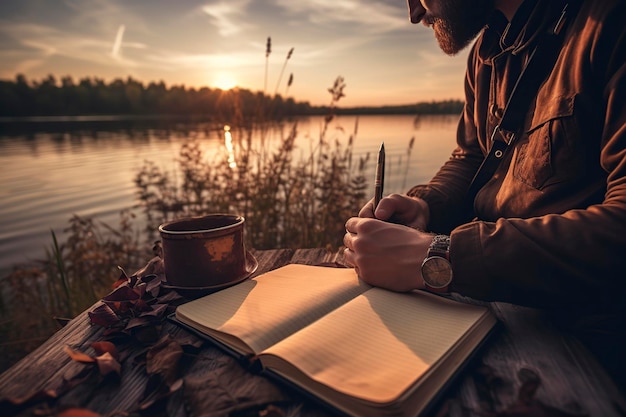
x=221 y=43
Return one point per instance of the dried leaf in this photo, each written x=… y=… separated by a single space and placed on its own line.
x=147 y=334
x=153 y=284
x=137 y=322
x=121 y=299
x=106 y=347
x=78 y=412
x=157 y=392
x=271 y=411
x=122 y=280
x=530 y=382
x=140 y=288
x=78 y=356
x=108 y=365
x=170 y=298
x=156 y=310
x=153 y=267
x=11 y=406
x=233 y=389
x=103 y=316
x=163 y=359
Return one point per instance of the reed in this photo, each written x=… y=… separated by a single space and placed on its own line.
x=294 y=192
x=36 y=298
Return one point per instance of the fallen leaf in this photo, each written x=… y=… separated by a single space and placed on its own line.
x=108 y=365
x=163 y=359
x=530 y=383
x=78 y=356
x=147 y=334
x=103 y=316
x=153 y=284
x=140 y=288
x=156 y=310
x=122 y=280
x=106 y=347
x=138 y=322
x=11 y=406
x=121 y=299
x=78 y=412
x=170 y=297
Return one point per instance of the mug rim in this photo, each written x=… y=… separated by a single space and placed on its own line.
x=238 y=221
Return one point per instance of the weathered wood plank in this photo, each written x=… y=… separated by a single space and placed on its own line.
x=527 y=353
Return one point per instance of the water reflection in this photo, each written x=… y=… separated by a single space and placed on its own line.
x=52 y=170
x=228 y=142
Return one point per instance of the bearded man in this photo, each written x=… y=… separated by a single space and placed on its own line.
x=543 y=222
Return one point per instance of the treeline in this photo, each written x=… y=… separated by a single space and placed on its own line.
x=94 y=96
x=433 y=107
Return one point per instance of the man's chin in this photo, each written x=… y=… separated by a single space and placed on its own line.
x=448 y=42
x=450 y=46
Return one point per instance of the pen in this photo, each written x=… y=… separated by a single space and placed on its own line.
x=379 y=180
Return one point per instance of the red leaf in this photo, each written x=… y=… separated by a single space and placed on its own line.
x=106 y=347
x=78 y=356
x=122 y=280
x=143 y=304
x=78 y=412
x=153 y=284
x=137 y=322
x=140 y=289
x=103 y=316
x=156 y=310
x=107 y=364
x=122 y=294
x=121 y=299
x=163 y=359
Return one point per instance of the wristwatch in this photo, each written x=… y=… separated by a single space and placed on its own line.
x=436 y=268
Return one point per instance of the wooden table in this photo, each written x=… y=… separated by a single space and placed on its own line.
x=527 y=369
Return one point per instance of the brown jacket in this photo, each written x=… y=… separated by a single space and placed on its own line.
x=550 y=226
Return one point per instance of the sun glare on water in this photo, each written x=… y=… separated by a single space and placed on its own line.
x=228 y=142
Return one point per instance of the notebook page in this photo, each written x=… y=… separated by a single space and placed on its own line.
x=270 y=307
x=376 y=346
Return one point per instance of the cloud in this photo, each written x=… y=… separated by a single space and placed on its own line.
x=371 y=16
x=117 y=44
x=226 y=14
x=223 y=61
x=44 y=42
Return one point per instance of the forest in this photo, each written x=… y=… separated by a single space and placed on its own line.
x=94 y=96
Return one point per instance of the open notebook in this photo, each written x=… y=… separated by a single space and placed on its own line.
x=360 y=349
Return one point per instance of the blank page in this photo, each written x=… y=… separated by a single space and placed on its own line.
x=377 y=345
x=270 y=307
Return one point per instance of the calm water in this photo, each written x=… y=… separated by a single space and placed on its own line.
x=50 y=169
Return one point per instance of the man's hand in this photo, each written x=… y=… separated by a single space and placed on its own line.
x=385 y=254
x=401 y=209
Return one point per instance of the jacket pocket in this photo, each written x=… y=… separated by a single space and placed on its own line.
x=547 y=154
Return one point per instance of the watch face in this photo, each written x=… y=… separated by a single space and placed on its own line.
x=437 y=272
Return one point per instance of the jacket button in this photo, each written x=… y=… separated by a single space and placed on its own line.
x=496 y=111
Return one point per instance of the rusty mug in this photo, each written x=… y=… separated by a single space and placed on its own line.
x=205 y=253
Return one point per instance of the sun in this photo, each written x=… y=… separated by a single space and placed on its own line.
x=224 y=81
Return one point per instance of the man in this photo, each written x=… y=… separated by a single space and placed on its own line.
x=548 y=228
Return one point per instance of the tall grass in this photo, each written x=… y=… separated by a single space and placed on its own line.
x=294 y=192
x=38 y=298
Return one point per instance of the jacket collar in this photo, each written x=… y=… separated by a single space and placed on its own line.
x=519 y=34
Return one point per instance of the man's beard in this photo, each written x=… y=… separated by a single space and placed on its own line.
x=459 y=22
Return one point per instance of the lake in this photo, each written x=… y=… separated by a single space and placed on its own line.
x=52 y=168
